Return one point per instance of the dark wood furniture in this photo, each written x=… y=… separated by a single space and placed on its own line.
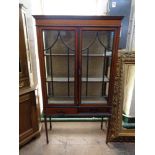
x=77 y=56
x=28 y=97
x=28 y=116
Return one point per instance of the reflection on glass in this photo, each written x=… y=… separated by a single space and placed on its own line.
x=59 y=51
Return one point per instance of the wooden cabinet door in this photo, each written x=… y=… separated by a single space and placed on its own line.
x=28 y=122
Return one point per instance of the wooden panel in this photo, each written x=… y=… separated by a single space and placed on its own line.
x=78 y=20
x=35 y=116
x=50 y=111
x=78 y=23
x=94 y=109
x=25 y=116
x=25 y=97
x=72 y=17
x=25 y=134
x=28 y=117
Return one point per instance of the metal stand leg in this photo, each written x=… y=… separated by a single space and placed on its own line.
x=102 y=123
x=50 y=124
x=45 y=120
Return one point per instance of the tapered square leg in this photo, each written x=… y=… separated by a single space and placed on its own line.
x=101 y=123
x=50 y=123
x=46 y=131
x=107 y=134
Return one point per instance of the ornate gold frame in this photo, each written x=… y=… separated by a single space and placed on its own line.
x=115 y=131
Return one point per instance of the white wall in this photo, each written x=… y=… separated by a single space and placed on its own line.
x=74 y=7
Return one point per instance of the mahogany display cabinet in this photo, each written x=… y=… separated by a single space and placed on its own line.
x=77 y=56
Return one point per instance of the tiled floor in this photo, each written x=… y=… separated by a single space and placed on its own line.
x=76 y=138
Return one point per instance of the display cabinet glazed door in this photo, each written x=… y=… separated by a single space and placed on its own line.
x=95 y=60
x=59 y=49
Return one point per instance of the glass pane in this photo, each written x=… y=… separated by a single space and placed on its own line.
x=96 y=62
x=59 y=51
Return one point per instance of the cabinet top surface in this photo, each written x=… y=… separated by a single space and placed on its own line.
x=40 y=17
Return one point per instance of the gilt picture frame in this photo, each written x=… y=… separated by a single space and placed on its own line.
x=115 y=132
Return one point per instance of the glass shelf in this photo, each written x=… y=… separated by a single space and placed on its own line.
x=71 y=79
x=108 y=54
x=93 y=100
x=61 y=100
x=59 y=54
x=84 y=100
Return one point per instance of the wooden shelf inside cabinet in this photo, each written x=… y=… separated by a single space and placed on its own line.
x=71 y=79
